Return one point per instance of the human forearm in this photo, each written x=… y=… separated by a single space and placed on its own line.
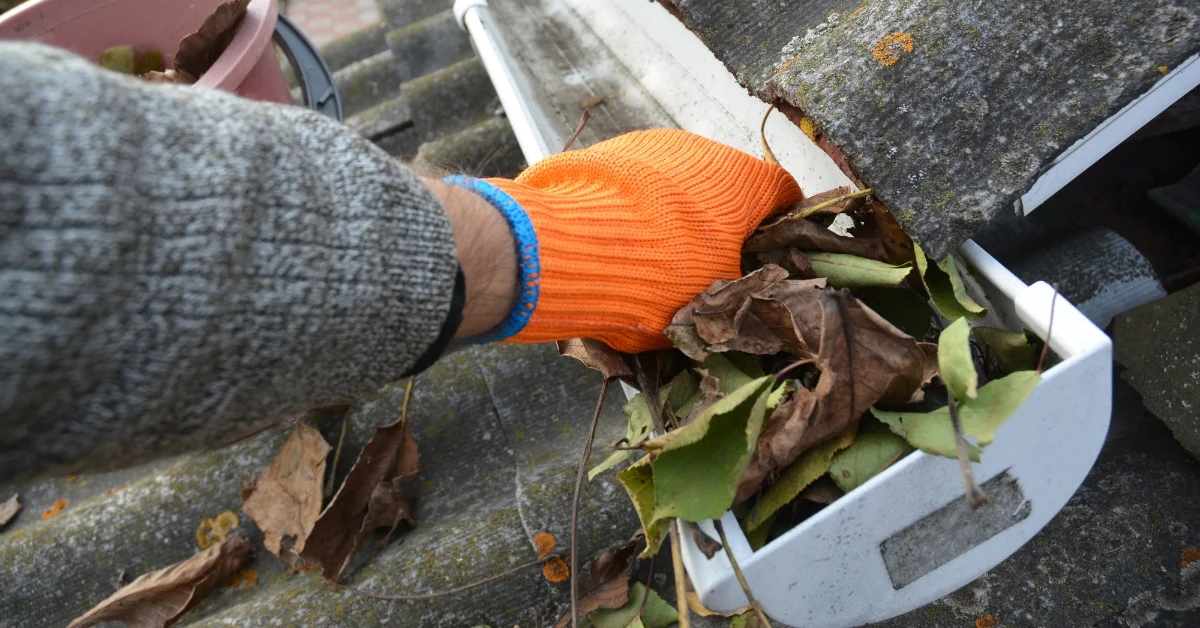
x=178 y=267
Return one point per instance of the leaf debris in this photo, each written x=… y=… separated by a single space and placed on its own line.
x=159 y=597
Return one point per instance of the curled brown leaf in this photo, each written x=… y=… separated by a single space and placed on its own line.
x=376 y=493
x=596 y=355
x=285 y=499
x=863 y=360
x=9 y=509
x=808 y=235
x=733 y=316
x=158 y=598
x=198 y=51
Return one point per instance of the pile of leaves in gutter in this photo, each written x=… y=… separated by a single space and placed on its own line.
x=840 y=350
x=196 y=54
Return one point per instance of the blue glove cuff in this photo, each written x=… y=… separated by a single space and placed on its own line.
x=528 y=263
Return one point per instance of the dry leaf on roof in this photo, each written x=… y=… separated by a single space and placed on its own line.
x=285 y=499
x=158 y=598
x=603 y=583
x=198 y=51
x=378 y=492
x=8 y=510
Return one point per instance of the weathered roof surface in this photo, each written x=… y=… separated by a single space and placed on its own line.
x=949 y=110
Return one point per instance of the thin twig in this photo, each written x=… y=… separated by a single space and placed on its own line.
x=741 y=577
x=649 y=393
x=808 y=211
x=768 y=154
x=646 y=596
x=465 y=587
x=587 y=115
x=1049 y=330
x=337 y=453
x=974 y=494
x=587 y=451
x=780 y=374
x=681 y=605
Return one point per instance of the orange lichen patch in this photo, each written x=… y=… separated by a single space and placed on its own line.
x=544 y=543
x=887 y=50
x=787 y=63
x=986 y=621
x=72 y=477
x=243 y=579
x=213 y=531
x=113 y=491
x=53 y=510
x=1162 y=69
x=856 y=12
x=556 y=570
x=809 y=128
x=1188 y=557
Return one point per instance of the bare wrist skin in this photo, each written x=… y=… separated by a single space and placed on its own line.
x=486 y=253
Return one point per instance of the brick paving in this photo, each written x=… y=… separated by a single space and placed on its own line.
x=326 y=20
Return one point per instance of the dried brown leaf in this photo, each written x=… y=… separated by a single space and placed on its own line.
x=603 y=583
x=882 y=227
x=929 y=373
x=9 y=509
x=799 y=260
x=718 y=314
x=198 y=51
x=596 y=355
x=392 y=500
x=158 y=598
x=808 y=235
x=785 y=437
x=863 y=360
x=709 y=393
x=727 y=317
x=285 y=500
x=705 y=543
x=822 y=491
x=389 y=456
x=867 y=359
x=793 y=314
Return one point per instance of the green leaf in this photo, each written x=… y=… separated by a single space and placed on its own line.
x=638 y=480
x=811 y=465
x=748 y=619
x=758 y=536
x=946 y=288
x=677 y=392
x=777 y=395
x=656 y=614
x=118 y=59
x=1011 y=351
x=848 y=271
x=145 y=61
x=636 y=431
x=931 y=431
x=874 y=448
x=699 y=465
x=955 y=365
x=673 y=394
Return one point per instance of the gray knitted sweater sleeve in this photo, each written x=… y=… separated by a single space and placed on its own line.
x=180 y=267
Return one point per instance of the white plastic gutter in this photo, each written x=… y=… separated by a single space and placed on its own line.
x=473 y=17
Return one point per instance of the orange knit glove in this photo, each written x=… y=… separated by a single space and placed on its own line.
x=628 y=231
